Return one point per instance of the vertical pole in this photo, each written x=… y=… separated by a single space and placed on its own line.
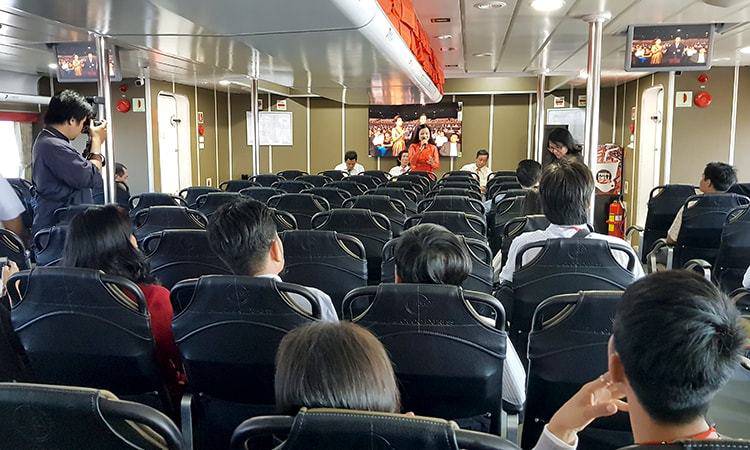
x=149 y=134
x=256 y=134
x=541 y=80
x=733 y=128
x=593 y=86
x=229 y=132
x=105 y=112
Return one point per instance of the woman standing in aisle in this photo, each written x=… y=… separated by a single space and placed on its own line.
x=423 y=154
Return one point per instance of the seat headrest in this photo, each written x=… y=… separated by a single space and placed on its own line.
x=319 y=244
x=354 y=219
x=573 y=255
x=299 y=201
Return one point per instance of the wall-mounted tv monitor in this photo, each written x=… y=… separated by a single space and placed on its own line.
x=390 y=128
x=654 y=48
x=77 y=62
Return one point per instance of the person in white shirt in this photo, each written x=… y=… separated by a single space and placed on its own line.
x=528 y=173
x=669 y=370
x=403 y=164
x=479 y=167
x=565 y=193
x=11 y=209
x=430 y=254
x=350 y=164
x=243 y=235
x=717 y=177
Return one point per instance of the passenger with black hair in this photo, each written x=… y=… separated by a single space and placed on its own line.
x=101 y=238
x=562 y=145
x=243 y=235
x=350 y=164
x=480 y=167
x=430 y=254
x=565 y=192
x=676 y=341
x=122 y=190
x=529 y=172
x=62 y=176
x=334 y=365
x=402 y=164
x=717 y=178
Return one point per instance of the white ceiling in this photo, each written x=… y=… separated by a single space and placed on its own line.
x=312 y=46
x=522 y=40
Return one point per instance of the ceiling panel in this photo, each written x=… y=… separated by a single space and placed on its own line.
x=451 y=49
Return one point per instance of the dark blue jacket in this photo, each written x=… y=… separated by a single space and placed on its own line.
x=61 y=176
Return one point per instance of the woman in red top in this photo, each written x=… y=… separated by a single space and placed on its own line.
x=423 y=154
x=101 y=238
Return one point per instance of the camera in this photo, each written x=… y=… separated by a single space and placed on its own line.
x=93 y=101
x=140 y=81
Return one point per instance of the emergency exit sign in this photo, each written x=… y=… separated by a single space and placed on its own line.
x=139 y=105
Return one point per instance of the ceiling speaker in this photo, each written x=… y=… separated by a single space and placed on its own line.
x=723 y=3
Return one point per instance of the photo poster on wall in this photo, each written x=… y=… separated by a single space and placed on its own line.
x=390 y=128
x=274 y=128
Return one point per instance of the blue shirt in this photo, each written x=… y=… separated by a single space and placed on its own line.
x=61 y=176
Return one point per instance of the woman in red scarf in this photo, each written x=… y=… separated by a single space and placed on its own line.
x=423 y=154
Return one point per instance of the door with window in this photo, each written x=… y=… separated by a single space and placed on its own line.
x=174 y=142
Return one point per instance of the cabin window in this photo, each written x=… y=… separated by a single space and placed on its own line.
x=10 y=150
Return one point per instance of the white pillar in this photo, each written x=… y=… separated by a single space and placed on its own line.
x=256 y=134
x=541 y=81
x=105 y=112
x=593 y=86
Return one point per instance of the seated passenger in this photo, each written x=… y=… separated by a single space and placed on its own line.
x=101 y=238
x=334 y=365
x=430 y=254
x=717 y=178
x=14 y=365
x=565 y=192
x=528 y=173
x=480 y=167
x=243 y=234
x=402 y=164
x=676 y=341
x=350 y=164
x=11 y=209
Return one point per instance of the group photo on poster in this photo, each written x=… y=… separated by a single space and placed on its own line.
x=392 y=128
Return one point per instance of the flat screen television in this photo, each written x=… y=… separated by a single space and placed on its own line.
x=77 y=62
x=663 y=48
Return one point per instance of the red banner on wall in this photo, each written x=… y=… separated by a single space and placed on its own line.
x=19 y=117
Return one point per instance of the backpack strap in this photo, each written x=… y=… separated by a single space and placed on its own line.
x=581 y=234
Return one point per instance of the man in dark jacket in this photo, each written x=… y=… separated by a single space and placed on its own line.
x=62 y=176
x=122 y=191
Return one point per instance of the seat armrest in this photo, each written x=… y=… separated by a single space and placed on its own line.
x=186 y=419
x=658 y=245
x=700 y=266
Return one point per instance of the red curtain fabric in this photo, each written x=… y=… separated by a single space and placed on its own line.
x=19 y=117
x=404 y=19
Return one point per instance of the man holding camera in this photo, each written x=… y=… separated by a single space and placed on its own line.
x=62 y=176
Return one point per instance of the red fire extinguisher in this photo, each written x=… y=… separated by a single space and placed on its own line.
x=616 y=222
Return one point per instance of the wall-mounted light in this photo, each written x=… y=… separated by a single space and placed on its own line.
x=443 y=37
x=547 y=5
x=52 y=66
x=490 y=4
x=482 y=55
x=745 y=50
x=224 y=83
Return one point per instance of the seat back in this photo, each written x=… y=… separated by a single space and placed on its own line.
x=237 y=185
x=448 y=362
x=563 y=266
x=519 y=225
x=64 y=417
x=149 y=199
x=192 y=193
x=177 y=255
x=63 y=216
x=408 y=197
x=379 y=174
x=81 y=327
x=480 y=278
x=284 y=221
x=503 y=186
x=371 y=228
x=265 y=180
x=413 y=186
x=25 y=192
x=455 y=191
x=260 y=193
x=367 y=180
x=292 y=186
x=431 y=177
x=335 y=175
x=209 y=203
x=12 y=247
x=710 y=444
x=158 y=218
x=733 y=257
x=702 y=223
x=315 y=258
x=343 y=429
x=505 y=210
x=730 y=408
x=230 y=329
x=493 y=181
x=315 y=180
x=740 y=188
x=458 y=222
x=503 y=173
x=392 y=208
x=291 y=174
x=452 y=203
x=302 y=206
x=567 y=349
x=450 y=183
x=418 y=179
x=470 y=179
x=352 y=187
x=663 y=204
x=335 y=196
x=49 y=244
x=461 y=173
